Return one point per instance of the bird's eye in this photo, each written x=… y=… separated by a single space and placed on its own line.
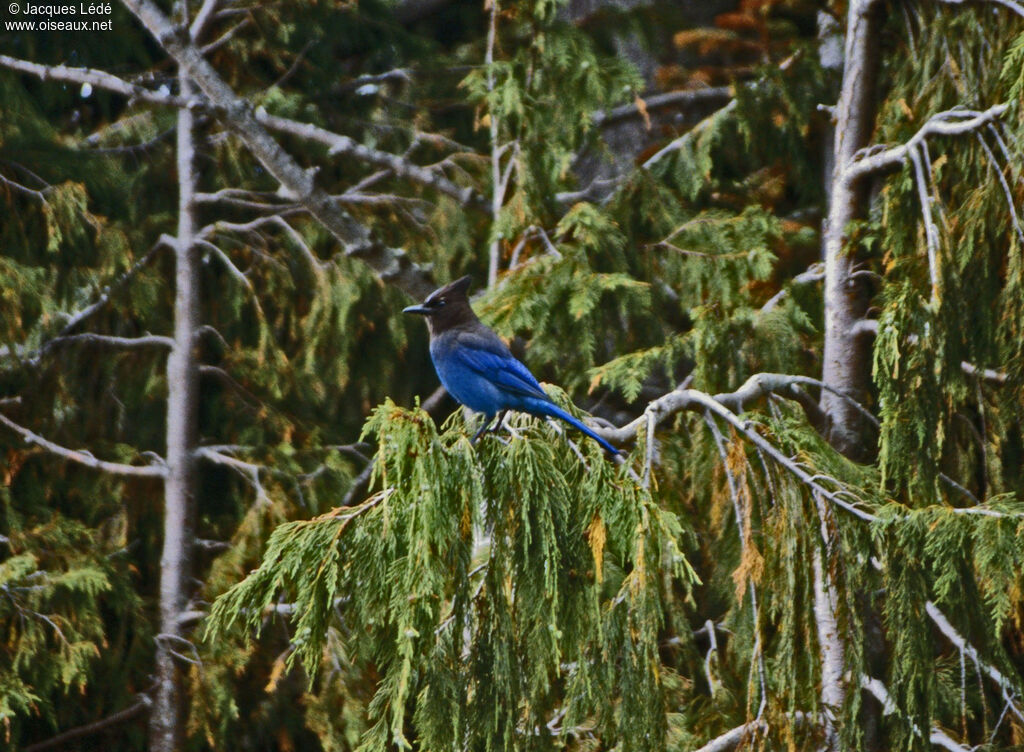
x=441 y=302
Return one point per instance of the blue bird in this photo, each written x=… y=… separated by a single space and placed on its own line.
x=476 y=367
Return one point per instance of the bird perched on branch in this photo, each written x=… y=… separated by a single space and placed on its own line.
x=476 y=367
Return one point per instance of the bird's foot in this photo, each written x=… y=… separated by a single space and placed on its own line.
x=487 y=426
x=503 y=423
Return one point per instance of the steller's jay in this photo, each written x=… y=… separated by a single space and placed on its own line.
x=477 y=368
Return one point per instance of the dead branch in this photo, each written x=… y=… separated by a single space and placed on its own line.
x=84 y=457
x=732 y=738
x=202 y=19
x=141 y=705
x=1005 y=685
x=338 y=144
x=814 y=273
x=104 y=340
x=1003 y=183
x=38 y=195
x=116 y=286
x=938 y=737
x=100 y=80
x=250 y=471
x=687 y=138
x=985 y=374
x=224 y=38
x=391 y=264
x=762 y=384
x=691 y=399
x=688 y=98
x=949 y=123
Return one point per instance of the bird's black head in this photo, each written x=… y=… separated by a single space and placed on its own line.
x=446 y=307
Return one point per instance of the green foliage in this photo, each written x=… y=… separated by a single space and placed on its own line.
x=542 y=96
x=499 y=588
x=626 y=373
x=51 y=625
x=929 y=406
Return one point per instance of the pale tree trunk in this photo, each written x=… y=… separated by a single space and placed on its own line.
x=497 y=189
x=847 y=362
x=166 y=720
x=830 y=647
x=847 y=353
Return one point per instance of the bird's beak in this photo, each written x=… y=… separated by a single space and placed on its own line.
x=420 y=309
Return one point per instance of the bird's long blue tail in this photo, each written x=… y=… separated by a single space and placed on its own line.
x=554 y=411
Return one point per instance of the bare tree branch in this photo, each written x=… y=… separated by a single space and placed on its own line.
x=202 y=19
x=141 y=705
x=931 y=230
x=249 y=470
x=82 y=315
x=82 y=457
x=101 y=80
x=762 y=384
x=1002 y=182
x=688 y=98
x=373 y=79
x=1005 y=685
x=229 y=265
x=104 y=340
x=224 y=38
x=986 y=374
x=949 y=123
x=732 y=738
x=938 y=737
x=243 y=199
x=814 y=273
x=339 y=144
x=691 y=399
x=38 y=195
x=391 y=264
x=688 y=137
x=116 y=286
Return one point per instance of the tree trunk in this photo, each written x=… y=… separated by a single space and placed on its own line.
x=830 y=647
x=847 y=361
x=166 y=720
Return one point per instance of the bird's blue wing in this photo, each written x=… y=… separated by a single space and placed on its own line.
x=493 y=361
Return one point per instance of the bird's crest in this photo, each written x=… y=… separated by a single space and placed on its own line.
x=458 y=288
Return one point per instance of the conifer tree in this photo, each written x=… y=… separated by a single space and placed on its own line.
x=814 y=541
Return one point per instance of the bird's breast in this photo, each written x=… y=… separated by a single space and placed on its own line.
x=465 y=384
